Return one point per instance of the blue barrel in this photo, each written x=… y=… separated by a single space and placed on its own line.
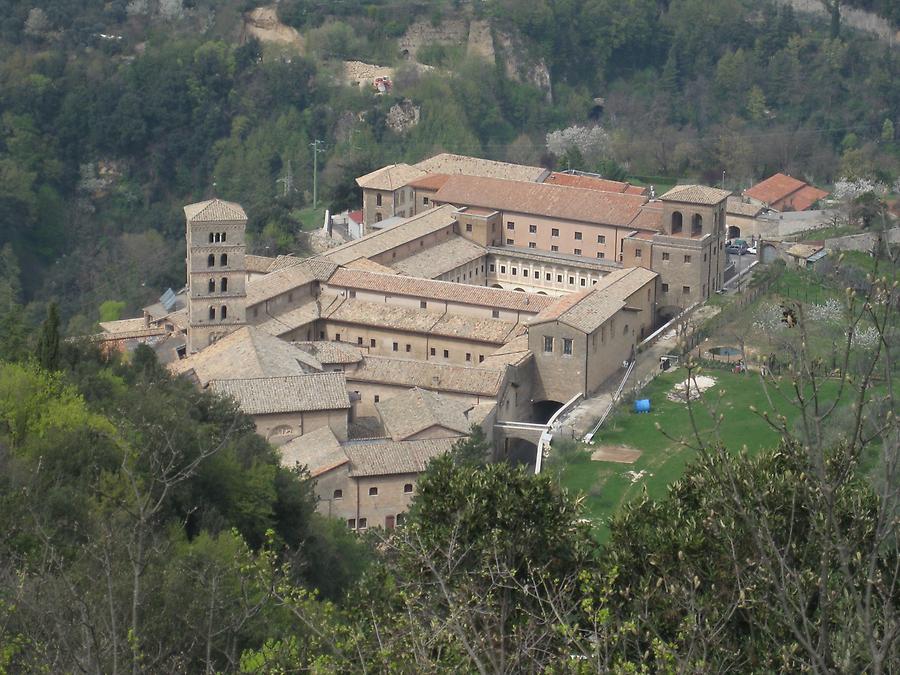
x=642 y=405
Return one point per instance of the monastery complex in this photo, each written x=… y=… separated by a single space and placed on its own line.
x=481 y=293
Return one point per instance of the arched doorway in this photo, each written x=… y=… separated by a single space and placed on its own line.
x=734 y=232
x=518 y=451
x=542 y=411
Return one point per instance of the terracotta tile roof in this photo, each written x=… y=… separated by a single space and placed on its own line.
x=804 y=198
x=296 y=393
x=291 y=320
x=461 y=165
x=514 y=352
x=258 y=263
x=594 y=183
x=319 y=451
x=418 y=409
x=369 y=266
x=124 y=325
x=386 y=457
x=215 y=210
x=329 y=352
x=395 y=317
x=247 y=352
x=649 y=218
x=588 y=310
x=737 y=206
x=785 y=193
x=394 y=237
x=432 y=181
x=391 y=177
x=299 y=273
x=443 y=257
x=552 y=201
x=439 y=290
x=355 y=216
x=695 y=194
x=429 y=375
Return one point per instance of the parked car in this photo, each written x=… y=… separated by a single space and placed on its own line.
x=736 y=247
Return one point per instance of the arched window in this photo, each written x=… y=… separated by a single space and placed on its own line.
x=212 y=313
x=224 y=285
x=212 y=285
x=696 y=224
x=338 y=494
x=400 y=518
x=210 y=237
x=223 y=259
x=218 y=236
x=210 y=260
x=224 y=313
x=677 y=222
x=407 y=488
x=223 y=236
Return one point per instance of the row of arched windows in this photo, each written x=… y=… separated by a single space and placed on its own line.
x=223 y=313
x=678 y=223
x=211 y=260
x=223 y=285
x=217 y=237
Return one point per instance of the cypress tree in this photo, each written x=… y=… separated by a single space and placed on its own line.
x=48 y=342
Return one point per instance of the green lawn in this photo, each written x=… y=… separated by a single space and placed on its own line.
x=606 y=485
x=309 y=218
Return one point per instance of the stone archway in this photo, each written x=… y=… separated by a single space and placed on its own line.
x=734 y=232
x=542 y=411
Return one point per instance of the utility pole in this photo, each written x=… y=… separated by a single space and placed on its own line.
x=287 y=180
x=316 y=150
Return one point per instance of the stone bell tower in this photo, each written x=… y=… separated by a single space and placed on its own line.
x=216 y=297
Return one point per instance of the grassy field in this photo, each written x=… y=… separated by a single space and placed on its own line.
x=606 y=485
x=309 y=218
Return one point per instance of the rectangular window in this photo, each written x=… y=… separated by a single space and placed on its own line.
x=351 y=523
x=559 y=278
x=665 y=256
x=502 y=269
x=495 y=313
x=687 y=259
x=377 y=398
x=514 y=271
x=577 y=251
x=378 y=199
x=638 y=253
x=601 y=254
x=359 y=341
x=425 y=200
x=584 y=282
x=373 y=491
x=423 y=304
x=601 y=238
x=363 y=524
x=578 y=236
x=532 y=229
x=531 y=244
x=571 y=281
x=554 y=248
x=548 y=343
x=567 y=346
x=468 y=356
x=408 y=348
x=491 y=267
x=510 y=242
x=704 y=257
x=337 y=336
x=372 y=342
x=665 y=288
x=685 y=289
x=480 y=358
x=510 y=225
x=549 y=277
x=554 y=232
x=395 y=347
x=446 y=353
x=432 y=351
x=524 y=273
x=321 y=334
x=468 y=227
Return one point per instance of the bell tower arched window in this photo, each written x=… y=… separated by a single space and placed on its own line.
x=223 y=237
x=223 y=259
x=696 y=225
x=224 y=313
x=212 y=285
x=677 y=222
x=210 y=260
x=212 y=313
x=218 y=236
x=223 y=285
x=210 y=237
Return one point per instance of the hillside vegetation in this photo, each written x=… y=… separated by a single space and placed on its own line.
x=113 y=115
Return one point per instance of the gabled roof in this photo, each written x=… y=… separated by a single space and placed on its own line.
x=739 y=207
x=215 y=210
x=804 y=250
x=785 y=192
x=328 y=353
x=543 y=199
x=395 y=284
x=441 y=258
x=319 y=451
x=695 y=194
x=291 y=319
x=432 y=181
x=588 y=310
x=428 y=375
x=391 y=177
x=386 y=457
x=299 y=273
x=247 y=352
x=258 y=264
x=593 y=183
x=295 y=393
x=390 y=238
x=462 y=165
x=416 y=410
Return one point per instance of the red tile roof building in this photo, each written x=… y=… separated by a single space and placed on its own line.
x=785 y=193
